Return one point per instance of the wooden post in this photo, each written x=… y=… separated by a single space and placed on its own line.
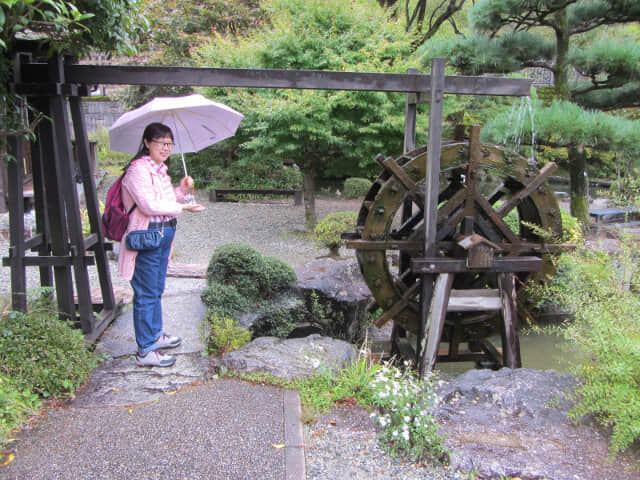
x=56 y=216
x=40 y=207
x=64 y=164
x=437 y=314
x=92 y=203
x=511 y=338
x=431 y=185
x=16 y=224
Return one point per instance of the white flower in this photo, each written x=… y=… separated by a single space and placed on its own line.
x=405 y=435
x=394 y=433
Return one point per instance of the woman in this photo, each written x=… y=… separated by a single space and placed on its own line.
x=147 y=185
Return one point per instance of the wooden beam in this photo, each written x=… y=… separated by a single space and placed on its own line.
x=52 y=260
x=33 y=73
x=430 y=343
x=546 y=171
x=473 y=300
x=511 y=322
x=415 y=246
x=459 y=265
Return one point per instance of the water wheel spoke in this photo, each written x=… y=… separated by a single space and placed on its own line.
x=497 y=194
x=448 y=228
x=528 y=189
x=408 y=226
x=446 y=210
x=484 y=204
x=412 y=188
x=398 y=306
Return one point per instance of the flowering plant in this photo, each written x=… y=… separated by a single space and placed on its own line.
x=407 y=425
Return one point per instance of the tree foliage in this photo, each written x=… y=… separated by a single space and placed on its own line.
x=71 y=27
x=509 y=35
x=74 y=27
x=334 y=132
x=179 y=27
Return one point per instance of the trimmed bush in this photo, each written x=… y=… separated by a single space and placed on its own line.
x=224 y=299
x=356 y=187
x=238 y=277
x=253 y=275
x=237 y=264
x=42 y=353
x=329 y=229
x=277 y=276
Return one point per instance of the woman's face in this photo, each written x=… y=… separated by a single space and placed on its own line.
x=160 y=148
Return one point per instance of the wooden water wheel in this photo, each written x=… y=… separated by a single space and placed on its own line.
x=486 y=192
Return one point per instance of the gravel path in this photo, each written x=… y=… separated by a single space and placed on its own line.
x=274 y=228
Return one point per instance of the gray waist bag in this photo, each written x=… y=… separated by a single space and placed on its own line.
x=141 y=240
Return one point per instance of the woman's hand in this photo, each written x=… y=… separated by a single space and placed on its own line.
x=186 y=184
x=192 y=207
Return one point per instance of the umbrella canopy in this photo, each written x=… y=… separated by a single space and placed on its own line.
x=196 y=123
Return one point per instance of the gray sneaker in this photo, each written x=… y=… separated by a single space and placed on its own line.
x=168 y=341
x=155 y=359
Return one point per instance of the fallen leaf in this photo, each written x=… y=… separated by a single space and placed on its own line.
x=131 y=410
x=332 y=422
x=173 y=392
x=10 y=458
x=277 y=446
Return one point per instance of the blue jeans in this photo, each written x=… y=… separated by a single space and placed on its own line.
x=148 y=284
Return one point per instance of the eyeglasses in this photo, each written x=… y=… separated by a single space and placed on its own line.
x=164 y=144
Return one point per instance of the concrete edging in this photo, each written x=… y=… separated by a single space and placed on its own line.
x=294 y=462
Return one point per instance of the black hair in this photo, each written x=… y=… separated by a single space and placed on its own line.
x=151 y=132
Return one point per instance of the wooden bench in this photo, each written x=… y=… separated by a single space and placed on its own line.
x=216 y=194
x=615 y=215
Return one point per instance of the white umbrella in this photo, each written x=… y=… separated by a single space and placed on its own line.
x=196 y=123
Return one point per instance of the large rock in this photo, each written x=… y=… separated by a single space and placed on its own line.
x=513 y=423
x=290 y=358
x=342 y=291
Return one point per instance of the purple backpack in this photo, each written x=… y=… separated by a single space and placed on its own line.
x=115 y=217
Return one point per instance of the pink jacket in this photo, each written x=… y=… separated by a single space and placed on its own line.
x=141 y=185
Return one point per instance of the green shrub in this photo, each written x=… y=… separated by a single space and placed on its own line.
x=223 y=299
x=356 y=187
x=42 y=353
x=267 y=173
x=601 y=290
x=225 y=335
x=237 y=264
x=253 y=275
x=239 y=277
x=321 y=392
x=328 y=230
x=276 y=276
x=15 y=406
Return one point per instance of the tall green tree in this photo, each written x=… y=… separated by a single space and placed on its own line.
x=179 y=27
x=509 y=35
x=318 y=130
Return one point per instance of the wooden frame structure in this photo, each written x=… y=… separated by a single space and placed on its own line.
x=55 y=88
